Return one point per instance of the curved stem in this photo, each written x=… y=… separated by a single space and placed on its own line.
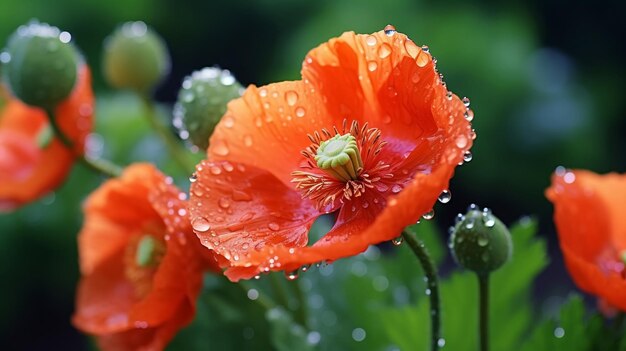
x=483 y=290
x=101 y=166
x=430 y=271
x=175 y=148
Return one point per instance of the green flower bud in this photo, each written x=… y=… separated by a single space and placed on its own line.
x=40 y=65
x=202 y=102
x=135 y=57
x=480 y=242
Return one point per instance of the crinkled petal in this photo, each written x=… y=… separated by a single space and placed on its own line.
x=236 y=209
x=589 y=216
x=75 y=118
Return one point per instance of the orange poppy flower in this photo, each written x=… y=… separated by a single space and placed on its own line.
x=589 y=216
x=141 y=263
x=370 y=132
x=31 y=166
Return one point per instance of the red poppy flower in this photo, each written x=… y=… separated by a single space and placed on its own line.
x=370 y=132
x=31 y=166
x=589 y=216
x=141 y=263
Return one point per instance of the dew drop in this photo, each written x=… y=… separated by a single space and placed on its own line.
x=200 y=224
x=371 y=40
x=459 y=218
x=389 y=30
x=429 y=215
x=469 y=115
x=220 y=148
x=228 y=121
x=397 y=241
x=441 y=342
x=422 y=59
x=300 y=112
x=247 y=140
x=293 y=275
x=449 y=95
x=485 y=256
x=215 y=170
x=466 y=101
x=396 y=188
x=291 y=97
x=445 y=196
x=384 y=50
x=372 y=65
x=412 y=49
x=461 y=141
x=193 y=177
x=274 y=226
x=223 y=203
x=470 y=223
x=483 y=241
x=467 y=156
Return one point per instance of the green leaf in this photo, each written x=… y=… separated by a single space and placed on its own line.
x=407 y=327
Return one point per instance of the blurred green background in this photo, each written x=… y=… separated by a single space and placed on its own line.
x=545 y=78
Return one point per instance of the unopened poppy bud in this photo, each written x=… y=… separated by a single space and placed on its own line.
x=202 y=102
x=40 y=65
x=135 y=57
x=480 y=242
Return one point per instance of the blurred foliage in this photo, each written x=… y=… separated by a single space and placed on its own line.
x=542 y=84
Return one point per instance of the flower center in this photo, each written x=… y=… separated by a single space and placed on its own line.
x=341 y=165
x=143 y=256
x=340 y=157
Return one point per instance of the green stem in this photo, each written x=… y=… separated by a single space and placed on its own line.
x=175 y=148
x=430 y=270
x=302 y=311
x=483 y=290
x=101 y=166
x=279 y=289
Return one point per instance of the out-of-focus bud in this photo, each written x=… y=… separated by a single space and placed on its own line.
x=202 y=102
x=40 y=64
x=135 y=57
x=480 y=242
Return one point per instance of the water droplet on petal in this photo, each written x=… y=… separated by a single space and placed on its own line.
x=445 y=196
x=412 y=49
x=247 y=140
x=384 y=50
x=193 y=177
x=467 y=156
x=429 y=215
x=396 y=188
x=469 y=115
x=461 y=141
x=274 y=226
x=389 y=30
x=397 y=241
x=291 y=97
x=220 y=148
x=200 y=224
x=370 y=40
x=372 y=65
x=291 y=275
x=300 y=112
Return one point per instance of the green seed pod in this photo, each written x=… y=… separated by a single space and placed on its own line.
x=480 y=242
x=202 y=102
x=40 y=65
x=135 y=57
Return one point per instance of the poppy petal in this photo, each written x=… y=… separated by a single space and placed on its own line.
x=236 y=209
x=588 y=213
x=269 y=121
x=75 y=118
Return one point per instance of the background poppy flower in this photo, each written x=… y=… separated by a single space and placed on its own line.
x=261 y=188
x=33 y=161
x=141 y=264
x=589 y=216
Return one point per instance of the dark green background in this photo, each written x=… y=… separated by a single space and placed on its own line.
x=545 y=78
